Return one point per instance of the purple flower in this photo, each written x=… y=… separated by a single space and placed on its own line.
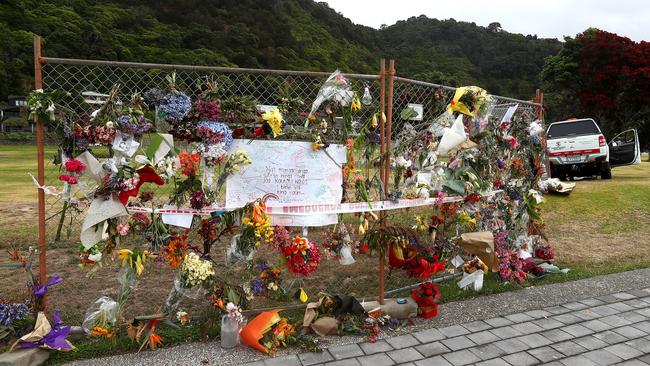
x=257 y=286
x=10 y=313
x=175 y=106
x=41 y=290
x=501 y=163
x=261 y=266
x=153 y=97
x=55 y=339
x=130 y=126
x=515 y=195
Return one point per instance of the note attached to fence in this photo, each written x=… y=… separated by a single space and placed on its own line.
x=292 y=170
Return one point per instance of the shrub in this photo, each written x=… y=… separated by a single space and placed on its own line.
x=16 y=122
x=18 y=136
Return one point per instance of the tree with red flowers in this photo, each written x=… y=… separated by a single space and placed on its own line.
x=601 y=75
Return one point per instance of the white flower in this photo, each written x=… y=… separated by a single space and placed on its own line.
x=109 y=124
x=402 y=162
x=272 y=286
x=39 y=91
x=50 y=108
x=95 y=257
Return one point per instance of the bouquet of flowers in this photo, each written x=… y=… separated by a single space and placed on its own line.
x=195 y=271
x=544 y=252
x=13 y=319
x=474 y=265
x=175 y=250
x=216 y=139
x=511 y=266
x=268 y=281
x=268 y=331
x=256 y=225
x=423 y=266
x=301 y=256
x=73 y=168
x=427 y=297
x=134 y=259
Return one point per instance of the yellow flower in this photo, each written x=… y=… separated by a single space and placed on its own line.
x=356 y=104
x=373 y=121
x=139 y=265
x=274 y=119
x=124 y=255
x=466 y=220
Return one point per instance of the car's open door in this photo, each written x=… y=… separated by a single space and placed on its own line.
x=624 y=149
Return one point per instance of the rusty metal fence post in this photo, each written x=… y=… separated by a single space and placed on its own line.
x=38 y=84
x=382 y=171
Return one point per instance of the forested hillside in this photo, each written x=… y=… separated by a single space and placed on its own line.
x=284 y=34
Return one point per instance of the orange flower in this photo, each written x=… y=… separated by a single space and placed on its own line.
x=154 y=340
x=349 y=143
x=189 y=163
x=218 y=302
x=98 y=331
x=175 y=251
x=259 y=213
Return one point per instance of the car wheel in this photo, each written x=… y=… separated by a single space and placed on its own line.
x=606 y=172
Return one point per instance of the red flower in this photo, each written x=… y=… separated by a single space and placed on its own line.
x=147 y=175
x=259 y=131
x=189 y=163
x=74 y=166
x=68 y=179
x=237 y=132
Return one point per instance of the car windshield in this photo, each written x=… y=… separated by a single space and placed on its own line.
x=575 y=128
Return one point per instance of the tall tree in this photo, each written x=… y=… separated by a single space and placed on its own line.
x=602 y=75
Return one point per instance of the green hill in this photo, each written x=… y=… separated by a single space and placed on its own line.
x=283 y=34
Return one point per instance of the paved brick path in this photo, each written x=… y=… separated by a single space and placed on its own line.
x=605 y=330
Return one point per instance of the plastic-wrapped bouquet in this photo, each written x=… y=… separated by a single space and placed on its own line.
x=195 y=270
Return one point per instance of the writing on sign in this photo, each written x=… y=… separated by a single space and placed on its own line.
x=289 y=169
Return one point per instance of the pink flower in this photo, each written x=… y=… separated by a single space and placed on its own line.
x=454 y=163
x=512 y=141
x=123 y=229
x=505 y=273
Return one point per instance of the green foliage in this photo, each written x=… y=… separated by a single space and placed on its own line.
x=282 y=34
x=16 y=122
x=604 y=76
x=16 y=136
x=461 y=53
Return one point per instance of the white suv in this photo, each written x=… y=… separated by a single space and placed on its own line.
x=577 y=148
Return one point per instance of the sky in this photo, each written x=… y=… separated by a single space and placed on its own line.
x=546 y=18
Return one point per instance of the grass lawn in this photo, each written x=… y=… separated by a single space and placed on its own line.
x=601 y=228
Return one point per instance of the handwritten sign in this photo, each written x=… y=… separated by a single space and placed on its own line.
x=289 y=169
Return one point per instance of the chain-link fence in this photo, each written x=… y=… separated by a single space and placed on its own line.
x=86 y=81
